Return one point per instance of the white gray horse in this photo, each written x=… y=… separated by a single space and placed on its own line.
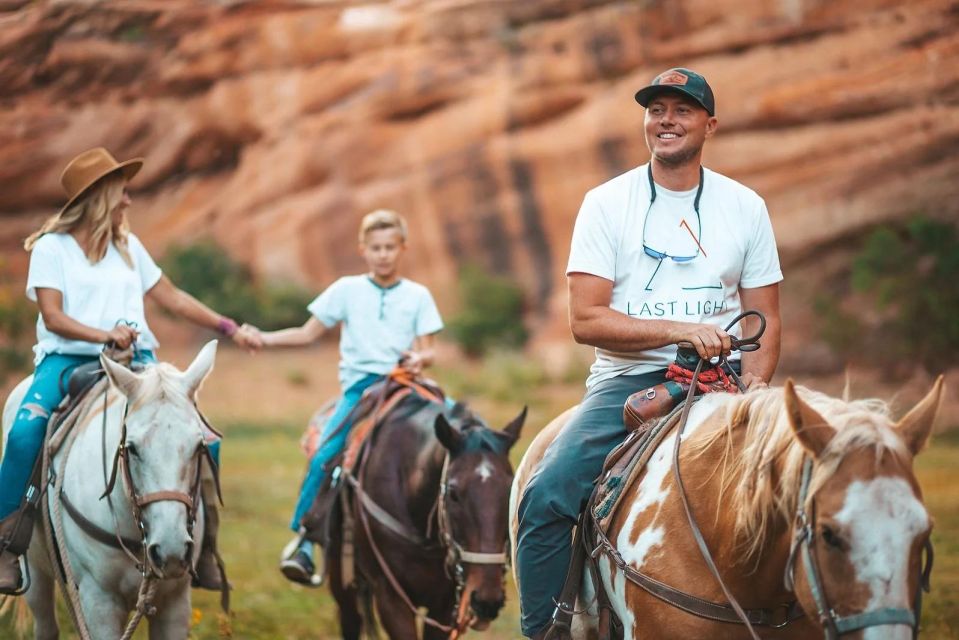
x=152 y=414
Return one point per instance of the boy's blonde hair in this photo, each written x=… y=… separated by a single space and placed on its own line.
x=95 y=211
x=382 y=219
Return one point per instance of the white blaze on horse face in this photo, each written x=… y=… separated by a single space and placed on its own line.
x=883 y=518
x=484 y=471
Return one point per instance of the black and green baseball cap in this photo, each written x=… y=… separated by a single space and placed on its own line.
x=684 y=81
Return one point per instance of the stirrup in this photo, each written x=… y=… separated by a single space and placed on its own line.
x=24 y=577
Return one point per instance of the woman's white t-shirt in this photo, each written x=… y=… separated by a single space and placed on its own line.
x=97 y=295
x=732 y=241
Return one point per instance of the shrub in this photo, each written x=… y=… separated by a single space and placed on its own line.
x=904 y=281
x=491 y=315
x=17 y=320
x=206 y=271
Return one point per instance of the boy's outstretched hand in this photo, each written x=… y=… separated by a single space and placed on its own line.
x=249 y=338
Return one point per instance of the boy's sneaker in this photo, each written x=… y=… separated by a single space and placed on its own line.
x=297 y=565
x=299 y=569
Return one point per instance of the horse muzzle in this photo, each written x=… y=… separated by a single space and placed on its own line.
x=170 y=560
x=484 y=610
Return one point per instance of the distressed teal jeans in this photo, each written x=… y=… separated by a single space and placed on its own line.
x=30 y=425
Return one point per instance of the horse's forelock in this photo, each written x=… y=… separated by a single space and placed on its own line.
x=762 y=478
x=479 y=437
x=161 y=382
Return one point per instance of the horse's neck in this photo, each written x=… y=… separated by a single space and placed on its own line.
x=426 y=490
x=703 y=479
x=417 y=458
x=90 y=462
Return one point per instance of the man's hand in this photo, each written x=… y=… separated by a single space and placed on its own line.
x=752 y=381
x=122 y=336
x=412 y=363
x=709 y=340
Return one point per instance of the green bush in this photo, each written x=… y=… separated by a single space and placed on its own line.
x=17 y=320
x=492 y=313
x=906 y=301
x=205 y=271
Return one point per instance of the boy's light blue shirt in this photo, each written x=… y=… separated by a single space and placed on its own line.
x=379 y=324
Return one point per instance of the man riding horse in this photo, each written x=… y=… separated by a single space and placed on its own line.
x=668 y=252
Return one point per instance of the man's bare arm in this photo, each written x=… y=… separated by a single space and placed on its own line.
x=762 y=363
x=594 y=323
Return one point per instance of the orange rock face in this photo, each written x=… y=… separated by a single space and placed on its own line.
x=274 y=126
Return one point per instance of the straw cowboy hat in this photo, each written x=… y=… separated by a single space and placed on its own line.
x=90 y=166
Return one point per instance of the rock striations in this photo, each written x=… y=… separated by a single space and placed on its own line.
x=272 y=126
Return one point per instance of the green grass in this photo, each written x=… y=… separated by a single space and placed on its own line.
x=262 y=470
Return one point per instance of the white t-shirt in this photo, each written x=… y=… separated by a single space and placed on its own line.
x=97 y=295
x=736 y=249
x=378 y=324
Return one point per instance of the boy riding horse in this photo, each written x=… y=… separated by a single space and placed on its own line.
x=385 y=318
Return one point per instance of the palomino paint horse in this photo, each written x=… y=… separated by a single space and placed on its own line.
x=163 y=445
x=445 y=485
x=742 y=462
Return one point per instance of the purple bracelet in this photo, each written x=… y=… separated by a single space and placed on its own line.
x=227 y=326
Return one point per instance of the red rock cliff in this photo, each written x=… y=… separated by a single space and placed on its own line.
x=273 y=126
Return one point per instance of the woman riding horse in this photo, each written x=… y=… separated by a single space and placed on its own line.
x=89 y=276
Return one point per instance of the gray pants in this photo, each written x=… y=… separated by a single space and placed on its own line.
x=558 y=491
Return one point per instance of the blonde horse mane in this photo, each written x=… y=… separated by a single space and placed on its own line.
x=760 y=479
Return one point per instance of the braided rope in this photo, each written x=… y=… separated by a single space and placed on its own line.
x=56 y=546
x=66 y=579
x=709 y=380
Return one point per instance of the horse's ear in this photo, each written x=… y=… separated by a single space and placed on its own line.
x=199 y=369
x=459 y=410
x=916 y=425
x=512 y=430
x=811 y=429
x=447 y=434
x=120 y=377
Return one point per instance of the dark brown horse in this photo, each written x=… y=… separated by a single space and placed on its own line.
x=428 y=508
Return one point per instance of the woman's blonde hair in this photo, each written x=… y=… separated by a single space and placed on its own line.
x=93 y=210
x=382 y=219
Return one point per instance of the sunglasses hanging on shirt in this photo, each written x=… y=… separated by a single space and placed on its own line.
x=662 y=255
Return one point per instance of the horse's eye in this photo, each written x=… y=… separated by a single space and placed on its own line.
x=132 y=450
x=452 y=493
x=831 y=537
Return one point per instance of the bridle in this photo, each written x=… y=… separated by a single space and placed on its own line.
x=834 y=625
x=191 y=499
x=457 y=557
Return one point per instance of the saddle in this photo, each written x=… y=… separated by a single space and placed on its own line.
x=81 y=380
x=378 y=401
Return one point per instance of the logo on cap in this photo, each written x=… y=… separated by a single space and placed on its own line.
x=672 y=77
